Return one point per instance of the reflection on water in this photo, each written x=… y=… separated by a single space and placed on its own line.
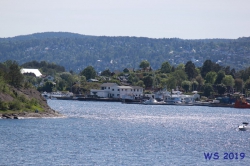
x=102 y=133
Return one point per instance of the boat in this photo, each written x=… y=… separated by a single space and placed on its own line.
x=173 y=100
x=153 y=101
x=201 y=103
x=58 y=95
x=131 y=101
x=179 y=100
x=241 y=103
x=243 y=127
x=220 y=103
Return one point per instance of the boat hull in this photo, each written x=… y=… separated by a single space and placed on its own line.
x=239 y=104
x=242 y=128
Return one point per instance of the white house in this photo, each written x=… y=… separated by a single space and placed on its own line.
x=112 y=90
x=36 y=72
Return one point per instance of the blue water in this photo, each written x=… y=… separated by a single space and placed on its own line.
x=103 y=133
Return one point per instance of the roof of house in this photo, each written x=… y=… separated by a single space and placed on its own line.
x=137 y=87
x=109 y=84
x=125 y=87
x=34 y=71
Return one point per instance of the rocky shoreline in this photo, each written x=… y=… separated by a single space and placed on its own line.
x=48 y=114
x=29 y=94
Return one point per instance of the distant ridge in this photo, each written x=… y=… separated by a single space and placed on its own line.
x=76 y=52
x=44 y=35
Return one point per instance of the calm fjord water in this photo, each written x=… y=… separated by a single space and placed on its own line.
x=103 y=133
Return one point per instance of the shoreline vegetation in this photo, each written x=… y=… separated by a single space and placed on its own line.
x=18 y=98
x=20 y=90
x=19 y=103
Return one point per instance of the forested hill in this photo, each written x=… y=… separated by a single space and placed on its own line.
x=76 y=52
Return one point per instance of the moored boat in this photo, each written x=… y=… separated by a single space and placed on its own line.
x=201 y=103
x=221 y=102
x=243 y=127
x=131 y=101
x=153 y=101
x=241 y=103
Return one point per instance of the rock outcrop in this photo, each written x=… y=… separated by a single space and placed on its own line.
x=29 y=93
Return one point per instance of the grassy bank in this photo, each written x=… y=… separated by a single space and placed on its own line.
x=22 y=101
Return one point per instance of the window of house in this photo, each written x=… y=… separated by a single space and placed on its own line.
x=125 y=89
x=118 y=94
x=112 y=89
x=109 y=87
x=118 y=89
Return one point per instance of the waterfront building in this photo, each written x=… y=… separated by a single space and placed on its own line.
x=112 y=90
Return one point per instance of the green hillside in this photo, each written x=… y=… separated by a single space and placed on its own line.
x=76 y=52
x=17 y=96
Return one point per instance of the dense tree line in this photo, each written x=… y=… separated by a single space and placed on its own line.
x=209 y=79
x=49 y=68
x=10 y=73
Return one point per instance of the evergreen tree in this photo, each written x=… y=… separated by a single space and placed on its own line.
x=221 y=88
x=106 y=73
x=220 y=76
x=144 y=64
x=89 y=72
x=166 y=67
x=208 y=89
x=190 y=70
x=207 y=67
x=15 y=77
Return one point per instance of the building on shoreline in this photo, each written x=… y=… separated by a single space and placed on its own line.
x=112 y=90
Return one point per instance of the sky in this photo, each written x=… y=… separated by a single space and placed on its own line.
x=185 y=19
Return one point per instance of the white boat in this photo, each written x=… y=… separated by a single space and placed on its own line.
x=201 y=103
x=243 y=127
x=173 y=100
x=57 y=95
x=179 y=100
x=152 y=101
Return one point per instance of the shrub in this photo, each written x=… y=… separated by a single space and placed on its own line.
x=3 y=105
x=15 y=105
